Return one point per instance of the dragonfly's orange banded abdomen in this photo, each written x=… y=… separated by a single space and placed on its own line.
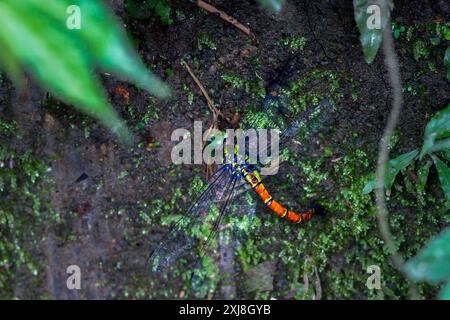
x=253 y=178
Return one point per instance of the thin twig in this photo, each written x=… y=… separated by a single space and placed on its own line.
x=318 y=290
x=225 y=17
x=393 y=69
x=211 y=105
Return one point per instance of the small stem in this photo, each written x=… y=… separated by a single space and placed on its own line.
x=224 y=17
x=393 y=69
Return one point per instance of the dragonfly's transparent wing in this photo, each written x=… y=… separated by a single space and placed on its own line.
x=177 y=240
x=272 y=115
x=218 y=248
x=302 y=127
x=311 y=119
x=223 y=202
x=198 y=224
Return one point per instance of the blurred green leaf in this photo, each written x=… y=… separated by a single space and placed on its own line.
x=68 y=77
x=11 y=65
x=446 y=154
x=107 y=42
x=369 y=186
x=396 y=34
x=63 y=60
x=370 y=38
x=445 y=30
x=433 y=262
x=275 y=5
x=393 y=167
x=440 y=145
x=438 y=127
x=445 y=293
x=444 y=176
x=398 y=164
x=423 y=175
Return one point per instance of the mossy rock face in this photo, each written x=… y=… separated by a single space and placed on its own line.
x=110 y=221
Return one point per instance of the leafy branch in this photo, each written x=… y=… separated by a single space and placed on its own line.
x=38 y=40
x=436 y=145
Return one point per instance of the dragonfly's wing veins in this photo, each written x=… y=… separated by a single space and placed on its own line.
x=228 y=193
x=181 y=238
x=198 y=279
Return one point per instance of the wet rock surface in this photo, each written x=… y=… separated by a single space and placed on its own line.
x=112 y=199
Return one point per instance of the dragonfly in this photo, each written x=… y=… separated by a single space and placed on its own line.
x=231 y=178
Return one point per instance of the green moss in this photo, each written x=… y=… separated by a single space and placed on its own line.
x=426 y=39
x=253 y=86
x=340 y=246
x=23 y=214
x=151 y=112
x=295 y=44
x=203 y=42
x=189 y=93
x=421 y=50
